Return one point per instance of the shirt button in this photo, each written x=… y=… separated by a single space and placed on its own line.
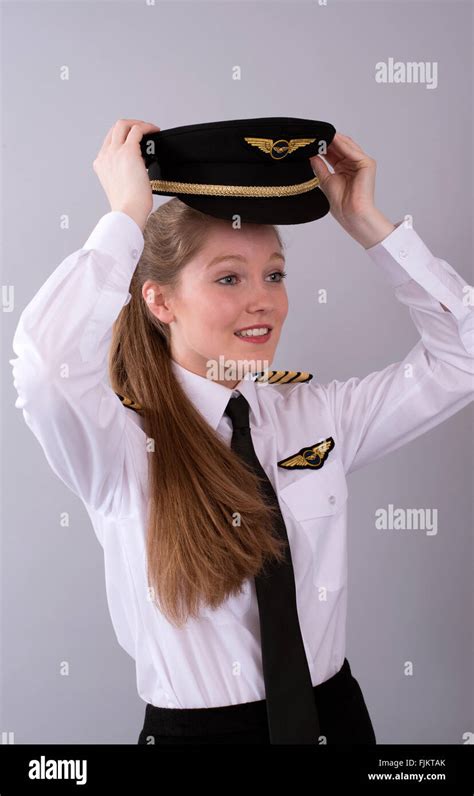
x=402 y=253
x=134 y=253
x=332 y=498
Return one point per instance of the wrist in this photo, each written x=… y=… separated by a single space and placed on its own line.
x=137 y=214
x=370 y=228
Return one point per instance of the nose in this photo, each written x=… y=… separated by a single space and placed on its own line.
x=259 y=297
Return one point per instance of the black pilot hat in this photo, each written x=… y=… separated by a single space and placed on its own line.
x=257 y=169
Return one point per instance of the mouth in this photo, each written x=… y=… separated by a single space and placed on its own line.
x=254 y=334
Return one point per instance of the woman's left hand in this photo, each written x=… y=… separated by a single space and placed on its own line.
x=350 y=190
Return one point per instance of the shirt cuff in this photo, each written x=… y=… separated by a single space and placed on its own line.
x=117 y=234
x=403 y=256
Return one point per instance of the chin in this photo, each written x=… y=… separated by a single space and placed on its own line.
x=261 y=357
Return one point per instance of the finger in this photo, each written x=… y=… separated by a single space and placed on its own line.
x=137 y=131
x=341 y=149
x=340 y=137
x=320 y=169
x=333 y=158
x=122 y=128
x=344 y=145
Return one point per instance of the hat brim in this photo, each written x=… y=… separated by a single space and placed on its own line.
x=298 y=209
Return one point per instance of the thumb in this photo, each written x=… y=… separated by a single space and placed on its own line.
x=320 y=169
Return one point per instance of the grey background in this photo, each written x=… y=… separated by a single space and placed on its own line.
x=410 y=595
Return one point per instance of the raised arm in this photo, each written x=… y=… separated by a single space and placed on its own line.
x=388 y=408
x=90 y=440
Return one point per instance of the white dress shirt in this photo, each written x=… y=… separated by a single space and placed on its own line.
x=97 y=447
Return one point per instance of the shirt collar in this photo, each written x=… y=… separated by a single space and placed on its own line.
x=211 y=398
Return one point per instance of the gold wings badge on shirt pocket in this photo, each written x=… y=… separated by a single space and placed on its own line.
x=312 y=457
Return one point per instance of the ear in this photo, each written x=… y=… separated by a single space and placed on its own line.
x=157 y=300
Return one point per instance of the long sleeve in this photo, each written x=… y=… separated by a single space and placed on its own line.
x=61 y=346
x=386 y=409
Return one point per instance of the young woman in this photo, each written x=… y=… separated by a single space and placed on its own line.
x=183 y=521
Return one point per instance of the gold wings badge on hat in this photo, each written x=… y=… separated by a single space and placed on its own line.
x=282 y=147
x=313 y=457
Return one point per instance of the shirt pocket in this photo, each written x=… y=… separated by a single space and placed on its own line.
x=318 y=493
x=317 y=501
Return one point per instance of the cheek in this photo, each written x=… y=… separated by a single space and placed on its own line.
x=221 y=311
x=283 y=306
x=213 y=313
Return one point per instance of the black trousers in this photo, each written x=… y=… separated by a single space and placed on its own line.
x=343 y=718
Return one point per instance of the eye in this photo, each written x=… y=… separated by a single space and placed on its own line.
x=282 y=274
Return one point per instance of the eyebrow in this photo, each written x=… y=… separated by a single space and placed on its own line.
x=240 y=258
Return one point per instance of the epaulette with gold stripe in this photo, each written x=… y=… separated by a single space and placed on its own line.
x=129 y=404
x=283 y=376
x=270 y=376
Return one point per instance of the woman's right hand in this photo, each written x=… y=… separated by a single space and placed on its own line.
x=121 y=169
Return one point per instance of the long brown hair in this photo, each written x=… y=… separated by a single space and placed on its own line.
x=208 y=527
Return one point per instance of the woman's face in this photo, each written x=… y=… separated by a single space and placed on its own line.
x=213 y=300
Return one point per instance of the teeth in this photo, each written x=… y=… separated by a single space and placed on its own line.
x=253 y=332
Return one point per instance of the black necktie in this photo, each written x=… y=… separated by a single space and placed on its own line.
x=291 y=708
